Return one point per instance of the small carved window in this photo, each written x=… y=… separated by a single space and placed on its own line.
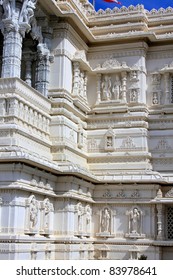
x=170 y=222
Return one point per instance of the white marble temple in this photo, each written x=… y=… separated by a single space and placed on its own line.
x=86 y=131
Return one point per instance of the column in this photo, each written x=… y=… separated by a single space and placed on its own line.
x=43 y=69
x=159 y=221
x=15 y=23
x=167 y=88
x=124 y=86
x=28 y=69
x=12 y=53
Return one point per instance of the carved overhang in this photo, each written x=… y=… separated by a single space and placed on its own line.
x=112 y=66
x=80 y=57
x=167 y=68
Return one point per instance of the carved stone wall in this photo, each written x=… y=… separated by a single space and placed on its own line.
x=85 y=131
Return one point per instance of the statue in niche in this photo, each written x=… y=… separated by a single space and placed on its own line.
x=116 y=89
x=135 y=221
x=33 y=212
x=109 y=142
x=46 y=213
x=88 y=219
x=105 y=220
x=80 y=213
x=106 y=88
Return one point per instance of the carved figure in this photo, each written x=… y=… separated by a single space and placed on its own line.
x=80 y=213
x=106 y=88
x=46 y=213
x=134 y=95
x=105 y=220
x=33 y=212
x=109 y=142
x=81 y=84
x=7 y=6
x=135 y=217
x=27 y=11
x=116 y=89
x=88 y=218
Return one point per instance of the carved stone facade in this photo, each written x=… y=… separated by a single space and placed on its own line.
x=86 y=131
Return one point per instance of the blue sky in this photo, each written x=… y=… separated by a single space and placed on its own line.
x=150 y=4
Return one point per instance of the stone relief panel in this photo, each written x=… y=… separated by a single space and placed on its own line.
x=106 y=216
x=88 y=216
x=83 y=218
x=32 y=215
x=92 y=145
x=135 y=216
x=111 y=88
x=156 y=88
x=79 y=81
x=117 y=82
x=162 y=86
x=80 y=213
x=46 y=215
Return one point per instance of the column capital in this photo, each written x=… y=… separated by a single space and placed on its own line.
x=17 y=16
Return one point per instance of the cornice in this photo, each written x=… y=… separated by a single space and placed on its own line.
x=118 y=50
x=83 y=16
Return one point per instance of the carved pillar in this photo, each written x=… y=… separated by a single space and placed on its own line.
x=16 y=22
x=43 y=69
x=99 y=76
x=159 y=221
x=12 y=53
x=28 y=69
x=76 y=77
x=124 y=86
x=166 y=87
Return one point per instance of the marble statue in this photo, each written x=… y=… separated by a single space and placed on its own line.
x=135 y=217
x=33 y=210
x=106 y=88
x=105 y=220
x=116 y=88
